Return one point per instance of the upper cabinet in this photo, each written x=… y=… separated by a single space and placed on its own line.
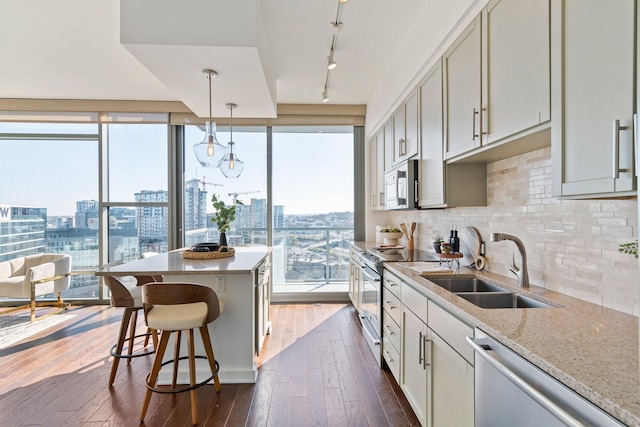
x=376 y=171
x=462 y=85
x=405 y=129
x=496 y=77
x=440 y=186
x=516 y=87
x=593 y=52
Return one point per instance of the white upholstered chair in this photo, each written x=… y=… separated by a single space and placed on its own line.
x=35 y=275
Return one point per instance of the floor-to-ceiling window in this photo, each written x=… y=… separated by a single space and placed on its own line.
x=250 y=188
x=313 y=196
x=49 y=196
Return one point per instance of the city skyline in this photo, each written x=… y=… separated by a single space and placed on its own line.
x=312 y=172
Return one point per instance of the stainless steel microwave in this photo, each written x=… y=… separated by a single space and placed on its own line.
x=401 y=186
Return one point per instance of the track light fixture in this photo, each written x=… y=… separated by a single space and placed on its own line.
x=331 y=63
x=325 y=96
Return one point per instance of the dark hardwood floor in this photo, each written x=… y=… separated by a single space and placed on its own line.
x=315 y=370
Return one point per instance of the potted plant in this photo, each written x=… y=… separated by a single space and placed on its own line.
x=391 y=235
x=437 y=240
x=224 y=216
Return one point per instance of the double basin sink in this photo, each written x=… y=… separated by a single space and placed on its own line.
x=483 y=294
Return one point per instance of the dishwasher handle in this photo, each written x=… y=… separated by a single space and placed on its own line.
x=549 y=405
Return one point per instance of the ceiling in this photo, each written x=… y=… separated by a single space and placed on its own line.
x=72 y=49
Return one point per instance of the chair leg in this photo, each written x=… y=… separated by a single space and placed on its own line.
x=33 y=302
x=124 y=325
x=192 y=378
x=132 y=334
x=206 y=340
x=155 y=370
x=176 y=358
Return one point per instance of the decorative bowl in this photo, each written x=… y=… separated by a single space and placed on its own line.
x=391 y=238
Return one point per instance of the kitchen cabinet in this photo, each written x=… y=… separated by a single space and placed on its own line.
x=391 y=321
x=262 y=281
x=388 y=145
x=437 y=363
x=593 y=60
x=463 y=86
x=441 y=185
x=376 y=171
x=496 y=79
x=405 y=129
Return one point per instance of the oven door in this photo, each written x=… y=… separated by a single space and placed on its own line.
x=371 y=305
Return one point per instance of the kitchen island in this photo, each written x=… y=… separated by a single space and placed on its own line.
x=242 y=284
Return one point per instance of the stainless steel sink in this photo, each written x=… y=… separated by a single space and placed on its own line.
x=464 y=284
x=501 y=300
x=484 y=294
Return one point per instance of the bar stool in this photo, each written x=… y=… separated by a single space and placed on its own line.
x=177 y=307
x=131 y=300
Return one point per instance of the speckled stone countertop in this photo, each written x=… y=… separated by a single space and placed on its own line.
x=591 y=349
x=243 y=262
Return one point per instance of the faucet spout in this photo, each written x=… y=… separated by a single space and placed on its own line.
x=522 y=272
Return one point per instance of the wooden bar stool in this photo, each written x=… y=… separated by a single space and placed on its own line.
x=177 y=307
x=131 y=300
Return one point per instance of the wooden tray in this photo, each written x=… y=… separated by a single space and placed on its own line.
x=209 y=255
x=450 y=256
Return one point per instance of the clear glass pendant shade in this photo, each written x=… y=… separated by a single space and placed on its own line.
x=231 y=166
x=209 y=151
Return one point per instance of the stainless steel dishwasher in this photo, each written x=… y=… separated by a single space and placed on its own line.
x=510 y=391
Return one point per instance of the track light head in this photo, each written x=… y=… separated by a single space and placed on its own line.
x=331 y=64
x=325 y=95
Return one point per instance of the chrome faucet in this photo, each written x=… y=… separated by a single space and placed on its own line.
x=521 y=273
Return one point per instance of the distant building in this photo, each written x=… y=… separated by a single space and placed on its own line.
x=195 y=206
x=152 y=221
x=87 y=214
x=21 y=231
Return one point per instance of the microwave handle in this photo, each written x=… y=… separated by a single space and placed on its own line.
x=400 y=174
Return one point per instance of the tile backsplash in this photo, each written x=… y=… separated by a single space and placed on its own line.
x=572 y=245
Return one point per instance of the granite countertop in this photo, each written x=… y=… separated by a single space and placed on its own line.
x=591 y=349
x=243 y=262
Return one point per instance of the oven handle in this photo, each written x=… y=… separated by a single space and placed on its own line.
x=374 y=277
x=369 y=330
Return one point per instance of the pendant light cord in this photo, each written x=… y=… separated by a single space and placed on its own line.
x=210 y=96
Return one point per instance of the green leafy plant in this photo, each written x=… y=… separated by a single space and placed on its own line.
x=630 y=248
x=390 y=229
x=224 y=214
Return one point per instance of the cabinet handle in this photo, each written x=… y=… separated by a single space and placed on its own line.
x=616 y=147
x=635 y=143
x=401 y=151
x=474 y=135
x=484 y=119
x=373 y=196
x=389 y=358
x=420 y=349
x=381 y=198
x=425 y=352
x=388 y=330
x=388 y=305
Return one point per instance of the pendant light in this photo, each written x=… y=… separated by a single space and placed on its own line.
x=231 y=166
x=209 y=151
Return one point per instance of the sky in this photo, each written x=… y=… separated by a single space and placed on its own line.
x=313 y=172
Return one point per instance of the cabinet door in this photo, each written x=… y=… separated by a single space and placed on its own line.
x=380 y=168
x=413 y=371
x=593 y=89
x=373 y=172
x=431 y=151
x=462 y=91
x=410 y=146
x=516 y=82
x=388 y=145
x=399 y=137
x=452 y=386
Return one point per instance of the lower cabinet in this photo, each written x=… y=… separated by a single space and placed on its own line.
x=436 y=370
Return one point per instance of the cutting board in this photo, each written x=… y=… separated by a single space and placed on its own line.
x=426 y=267
x=470 y=241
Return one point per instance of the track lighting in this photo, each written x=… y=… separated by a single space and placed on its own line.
x=331 y=64
x=325 y=96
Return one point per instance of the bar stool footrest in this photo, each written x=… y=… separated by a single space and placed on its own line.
x=131 y=356
x=186 y=387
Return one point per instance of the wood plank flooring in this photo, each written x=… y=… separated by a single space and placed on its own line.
x=315 y=370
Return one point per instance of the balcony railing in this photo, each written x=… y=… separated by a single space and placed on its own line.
x=301 y=255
